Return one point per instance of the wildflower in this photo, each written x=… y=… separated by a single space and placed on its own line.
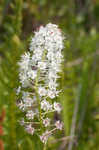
x=32 y=74
x=52 y=84
x=57 y=107
x=45 y=105
x=29 y=129
x=51 y=94
x=38 y=75
x=59 y=125
x=21 y=105
x=30 y=114
x=18 y=90
x=42 y=91
x=46 y=122
x=28 y=102
x=42 y=65
x=24 y=63
x=44 y=137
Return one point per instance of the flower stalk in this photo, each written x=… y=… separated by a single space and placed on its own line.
x=38 y=99
x=39 y=73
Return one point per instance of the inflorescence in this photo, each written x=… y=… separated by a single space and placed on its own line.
x=39 y=88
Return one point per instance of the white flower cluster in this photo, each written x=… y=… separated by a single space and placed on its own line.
x=39 y=74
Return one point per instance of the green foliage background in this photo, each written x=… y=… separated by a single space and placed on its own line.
x=79 y=21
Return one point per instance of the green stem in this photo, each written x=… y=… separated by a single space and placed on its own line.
x=36 y=90
x=44 y=147
x=38 y=99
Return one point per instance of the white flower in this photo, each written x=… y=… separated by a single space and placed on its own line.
x=50 y=55
x=39 y=40
x=59 y=55
x=24 y=79
x=57 y=107
x=52 y=75
x=24 y=63
x=30 y=114
x=39 y=72
x=42 y=65
x=42 y=31
x=51 y=94
x=32 y=74
x=42 y=91
x=55 y=66
x=37 y=55
x=59 y=125
x=25 y=95
x=44 y=137
x=29 y=129
x=18 y=90
x=28 y=102
x=21 y=105
x=45 y=105
x=46 y=122
x=52 y=84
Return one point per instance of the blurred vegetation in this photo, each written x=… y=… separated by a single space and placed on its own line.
x=79 y=21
